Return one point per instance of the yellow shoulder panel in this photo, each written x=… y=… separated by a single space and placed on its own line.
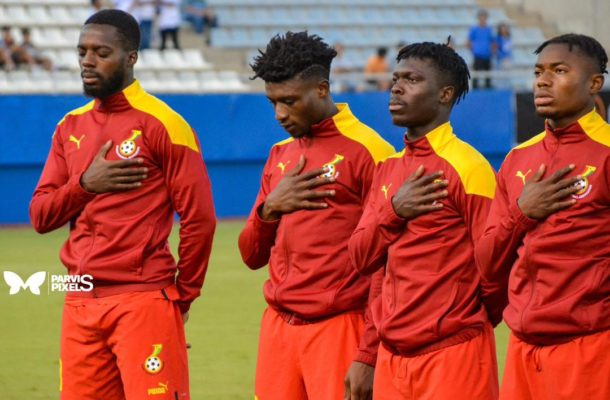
x=397 y=155
x=474 y=170
x=285 y=141
x=78 y=111
x=353 y=129
x=596 y=128
x=532 y=141
x=178 y=129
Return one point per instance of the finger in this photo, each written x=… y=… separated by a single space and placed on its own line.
x=315 y=182
x=120 y=187
x=562 y=205
x=417 y=174
x=424 y=180
x=564 y=183
x=297 y=168
x=431 y=197
x=561 y=173
x=312 y=205
x=346 y=390
x=125 y=163
x=426 y=208
x=127 y=171
x=104 y=150
x=314 y=173
x=434 y=186
x=562 y=194
x=539 y=174
x=128 y=178
x=317 y=194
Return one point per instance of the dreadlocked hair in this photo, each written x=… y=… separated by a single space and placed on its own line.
x=448 y=62
x=291 y=55
x=586 y=44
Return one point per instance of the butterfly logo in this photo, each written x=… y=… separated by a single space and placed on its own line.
x=33 y=283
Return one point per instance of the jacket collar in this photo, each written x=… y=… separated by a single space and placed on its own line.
x=120 y=100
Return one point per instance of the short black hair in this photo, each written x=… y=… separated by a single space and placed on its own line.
x=291 y=55
x=586 y=44
x=125 y=24
x=448 y=62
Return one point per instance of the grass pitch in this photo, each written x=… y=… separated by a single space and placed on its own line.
x=223 y=324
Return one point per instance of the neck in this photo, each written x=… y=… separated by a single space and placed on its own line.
x=417 y=132
x=559 y=123
x=329 y=110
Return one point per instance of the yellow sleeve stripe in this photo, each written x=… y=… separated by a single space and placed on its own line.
x=78 y=111
x=177 y=128
x=476 y=174
x=596 y=128
x=352 y=128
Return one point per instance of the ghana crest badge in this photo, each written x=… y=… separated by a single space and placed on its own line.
x=129 y=148
x=331 y=166
x=153 y=363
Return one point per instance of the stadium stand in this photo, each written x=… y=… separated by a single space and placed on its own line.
x=55 y=29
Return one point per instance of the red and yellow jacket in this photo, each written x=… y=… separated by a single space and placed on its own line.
x=430 y=292
x=310 y=274
x=121 y=238
x=557 y=271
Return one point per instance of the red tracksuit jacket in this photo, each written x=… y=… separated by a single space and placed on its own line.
x=121 y=238
x=558 y=270
x=430 y=293
x=310 y=274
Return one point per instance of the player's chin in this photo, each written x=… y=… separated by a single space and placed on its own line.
x=546 y=111
x=400 y=119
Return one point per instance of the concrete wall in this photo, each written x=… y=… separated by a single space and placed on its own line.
x=589 y=17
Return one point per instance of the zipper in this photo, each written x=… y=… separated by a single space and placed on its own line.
x=532 y=272
x=81 y=266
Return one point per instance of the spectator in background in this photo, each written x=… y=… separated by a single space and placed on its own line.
x=96 y=5
x=340 y=69
x=375 y=66
x=482 y=44
x=6 y=60
x=144 y=11
x=29 y=54
x=504 y=53
x=202 y=17
x=170 y=19
x=504 y=47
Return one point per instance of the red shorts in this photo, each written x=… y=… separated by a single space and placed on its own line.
x=300 y=362
x=465 y=371
x=127 y=346
x=576 y=370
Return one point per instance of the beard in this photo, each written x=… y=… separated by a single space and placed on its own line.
x=107 y=87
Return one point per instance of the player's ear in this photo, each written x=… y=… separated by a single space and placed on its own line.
x=132 y=58
x=597 y=82
x=323 y=88
x=446 y=94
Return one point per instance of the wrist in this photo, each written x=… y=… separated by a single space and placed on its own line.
x=267 y=213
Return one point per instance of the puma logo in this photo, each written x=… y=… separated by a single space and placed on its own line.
x=77 y=141
x=521 y=175
x=283 y=166
x=385 y=189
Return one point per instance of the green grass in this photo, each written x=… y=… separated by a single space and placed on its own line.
x=223 y=324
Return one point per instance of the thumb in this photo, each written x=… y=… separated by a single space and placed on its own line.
x=417 y=174
x=104 y=150
x=299 y=167
x=539 y=174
